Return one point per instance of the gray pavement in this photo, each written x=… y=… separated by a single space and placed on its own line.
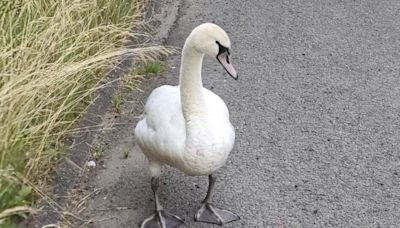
x=317 y=113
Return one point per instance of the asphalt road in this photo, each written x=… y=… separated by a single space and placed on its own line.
x=317 y=114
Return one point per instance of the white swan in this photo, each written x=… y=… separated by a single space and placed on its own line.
x=188 y=127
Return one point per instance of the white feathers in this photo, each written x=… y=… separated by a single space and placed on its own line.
x=187 y=126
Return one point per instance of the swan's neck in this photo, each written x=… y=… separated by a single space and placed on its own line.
x=191 y=86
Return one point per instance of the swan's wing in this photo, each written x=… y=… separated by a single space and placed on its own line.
x=161 y=133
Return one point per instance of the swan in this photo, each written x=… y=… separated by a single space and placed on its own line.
x=187 y=126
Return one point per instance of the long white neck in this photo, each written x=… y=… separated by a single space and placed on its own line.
x=191 y=86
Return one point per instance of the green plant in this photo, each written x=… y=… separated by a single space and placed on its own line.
x=14 y=195
x=7 y=223
x=97 y=151
x=126 y=153
x=155 y=67
x=116 y=101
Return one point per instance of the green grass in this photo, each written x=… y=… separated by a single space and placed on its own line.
x=116 y=101
x=53 y=57
x=133 y=78
x=155 y=67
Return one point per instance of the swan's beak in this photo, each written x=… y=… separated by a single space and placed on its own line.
x=223 y=58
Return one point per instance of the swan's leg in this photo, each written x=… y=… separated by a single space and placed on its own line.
x=211 y=214
x=160 y=218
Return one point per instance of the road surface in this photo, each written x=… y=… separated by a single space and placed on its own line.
x=316 y=112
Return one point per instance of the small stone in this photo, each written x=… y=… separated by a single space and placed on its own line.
x=91 y=164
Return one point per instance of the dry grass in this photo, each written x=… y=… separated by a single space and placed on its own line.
x=53 y=56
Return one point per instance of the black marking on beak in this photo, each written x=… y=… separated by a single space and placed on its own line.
x=222 y=48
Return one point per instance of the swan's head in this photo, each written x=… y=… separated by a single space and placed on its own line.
x=212 y=40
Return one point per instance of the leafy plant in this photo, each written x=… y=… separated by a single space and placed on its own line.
x=97 y=151
x=13 y=195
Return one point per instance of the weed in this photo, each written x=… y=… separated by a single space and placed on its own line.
x=97 y=151
x=9 y=198
x=155 y=67
x=132 y=79
x=116 y=101
x=126 y=153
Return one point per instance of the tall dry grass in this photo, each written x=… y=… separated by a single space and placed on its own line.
x=53 y=55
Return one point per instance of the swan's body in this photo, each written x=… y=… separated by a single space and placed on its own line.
x=199 y=146
x=187 y=126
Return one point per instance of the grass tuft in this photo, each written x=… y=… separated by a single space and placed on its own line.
x=116 y=101
x=155 y=67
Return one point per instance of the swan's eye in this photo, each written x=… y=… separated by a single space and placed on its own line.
x=222 y=48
